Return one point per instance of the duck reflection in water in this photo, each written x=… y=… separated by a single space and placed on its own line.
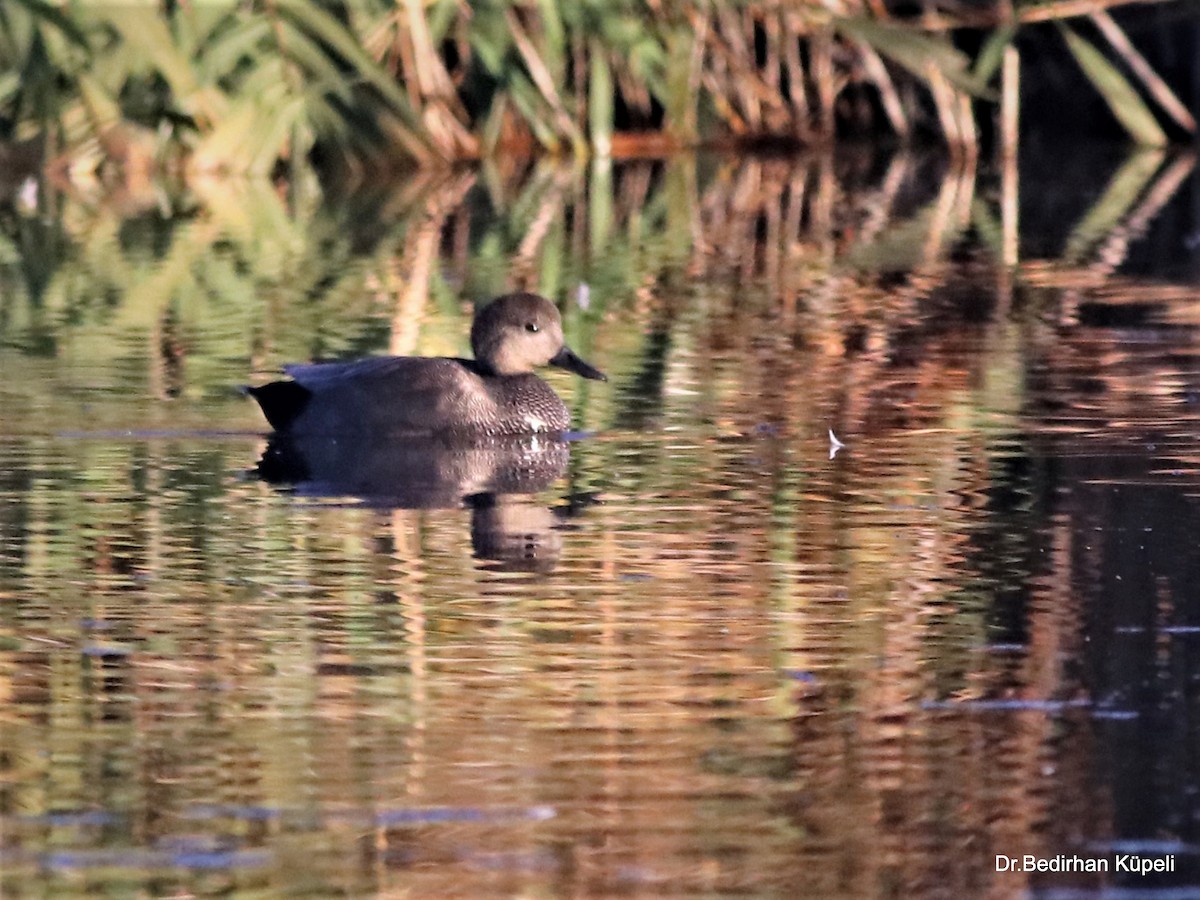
x=493 y=478
x=422 y=432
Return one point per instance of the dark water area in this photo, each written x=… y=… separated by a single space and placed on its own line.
x=695 y=648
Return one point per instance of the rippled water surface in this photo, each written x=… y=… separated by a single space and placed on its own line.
x=691 y=651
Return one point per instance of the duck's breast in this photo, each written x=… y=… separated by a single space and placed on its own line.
x=526 y=404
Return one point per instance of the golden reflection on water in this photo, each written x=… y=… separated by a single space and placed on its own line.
x=703 y=656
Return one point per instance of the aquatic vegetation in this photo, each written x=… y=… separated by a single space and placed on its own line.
x=360 y=84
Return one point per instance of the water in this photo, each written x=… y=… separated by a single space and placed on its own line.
x=687 y=652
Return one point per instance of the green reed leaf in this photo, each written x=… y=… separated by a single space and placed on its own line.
x=1121 y=96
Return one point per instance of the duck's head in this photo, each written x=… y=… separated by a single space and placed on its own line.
x=516 y=333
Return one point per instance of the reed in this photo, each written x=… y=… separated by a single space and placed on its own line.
x=359 y=85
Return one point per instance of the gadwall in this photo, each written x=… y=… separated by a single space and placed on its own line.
x=495 y=393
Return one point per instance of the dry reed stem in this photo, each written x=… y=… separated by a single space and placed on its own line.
x=945 y=103
x=408 y=63
x=696 y=63
x=712 y=78
x=823 y=76
x=1010 y=98
x=966 y=121
x=441 y=112
x=796 y=90
x=636 y=95
x=741 y=65
x=1157 y=88
x=1053 y=11
x=432 y=78
x=877 y=72
x=1010 y=101
x=772 y=29
x=539 y=73
x=579 y=68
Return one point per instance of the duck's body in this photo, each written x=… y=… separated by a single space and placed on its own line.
x=409 y=395
x=494 y=394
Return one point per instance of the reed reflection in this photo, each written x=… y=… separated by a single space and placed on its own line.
x=753 y=669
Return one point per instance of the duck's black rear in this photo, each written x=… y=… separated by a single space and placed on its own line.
x=281 y=401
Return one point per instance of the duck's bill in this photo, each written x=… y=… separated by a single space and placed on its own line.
x=566 y=359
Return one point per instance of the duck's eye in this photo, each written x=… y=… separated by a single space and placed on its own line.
x=531 y=327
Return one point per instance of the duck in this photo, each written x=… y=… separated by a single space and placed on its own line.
x=494 y=394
